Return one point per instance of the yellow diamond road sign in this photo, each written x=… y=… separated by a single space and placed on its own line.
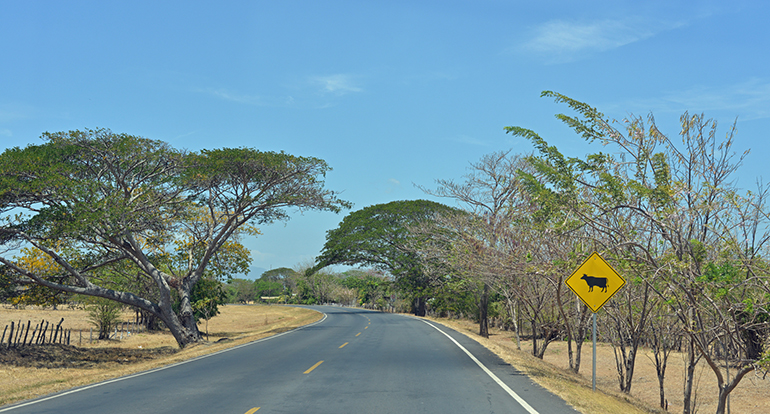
x=595 y=282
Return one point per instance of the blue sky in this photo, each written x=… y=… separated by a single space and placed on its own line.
x=389 y=93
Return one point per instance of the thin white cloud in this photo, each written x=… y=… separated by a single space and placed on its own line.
x=748 y=100
x=186 y=135
x=6 y=133
x=235 y=97
x=339 y=84
x=246 y=99
x=560 y=41
x=261 y=256
x=393 y=185
x=15 y=112
x=465 y=139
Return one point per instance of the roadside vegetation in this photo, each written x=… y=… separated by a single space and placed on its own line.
x=663 y=210
x=92 y=214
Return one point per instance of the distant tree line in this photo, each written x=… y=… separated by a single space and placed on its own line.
x=365 y=288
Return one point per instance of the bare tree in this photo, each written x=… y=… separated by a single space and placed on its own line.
x=490 y=191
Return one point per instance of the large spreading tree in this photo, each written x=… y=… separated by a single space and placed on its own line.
x=104 y=206
x=379 y=236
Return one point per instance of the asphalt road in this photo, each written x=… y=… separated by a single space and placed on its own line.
x=352 y=361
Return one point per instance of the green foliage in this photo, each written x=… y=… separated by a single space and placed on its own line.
x=104 y=315
x=145 y=220
x=458 y=298
x=377 y=236
x=240 y=290
x=205 y=297
x=370 y=288
x=274 y=180
x=721 y=278
x=278 y=275
x=266 y=287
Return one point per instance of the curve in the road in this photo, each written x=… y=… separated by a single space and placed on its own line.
x=352 y=360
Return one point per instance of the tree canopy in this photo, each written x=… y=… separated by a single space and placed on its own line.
x=378 y=236
x=100 y=204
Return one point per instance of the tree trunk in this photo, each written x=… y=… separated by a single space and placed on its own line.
x=578 y=350
x=514 y=318
x=549 y=333
x=419 y=306
x=661 y=348
x=689 y=378
x=533 y=325
x=186 y=312
x=726 y=388
x=182 y=334
x=579 y=336
x=484 y=312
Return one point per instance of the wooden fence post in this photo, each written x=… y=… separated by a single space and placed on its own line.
x=19 y=328
x=32 y=338
x=56 y=331
x=10 y=336
x=41 y=337
x=26 y=334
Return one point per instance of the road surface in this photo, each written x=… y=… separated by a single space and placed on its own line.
x=352 y=361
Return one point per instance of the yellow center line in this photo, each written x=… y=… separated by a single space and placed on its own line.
x=358 y=334
x=343 y=344
x=366 y=327
x=313 y=367
x=253 y=410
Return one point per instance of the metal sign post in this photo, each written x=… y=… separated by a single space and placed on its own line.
x=593 y=377
x=595 y=282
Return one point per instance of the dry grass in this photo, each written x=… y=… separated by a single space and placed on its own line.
x=752 y=396
x=238 y=324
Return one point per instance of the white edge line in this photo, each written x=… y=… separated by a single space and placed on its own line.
x=499 y=382
x=139 y=374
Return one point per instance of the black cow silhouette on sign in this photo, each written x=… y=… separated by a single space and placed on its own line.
x=595 y=281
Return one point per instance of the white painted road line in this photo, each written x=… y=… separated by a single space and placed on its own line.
x=499 y=382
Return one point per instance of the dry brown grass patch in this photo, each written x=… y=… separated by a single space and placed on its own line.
x=752 y=396
x=102 y=360
x=572 y=388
